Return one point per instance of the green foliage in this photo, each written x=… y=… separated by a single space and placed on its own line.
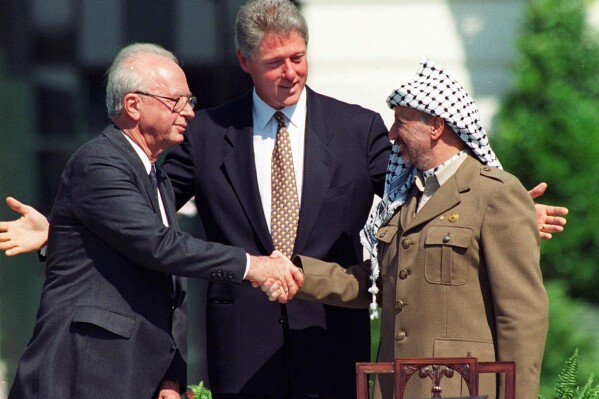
x=199 y=392
x=568 y=388
x=571 y=327
x=548 y=128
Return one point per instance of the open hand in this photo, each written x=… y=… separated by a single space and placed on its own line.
x=549 y=218
x=27 y=234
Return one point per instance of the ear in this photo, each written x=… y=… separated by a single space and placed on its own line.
x=437 y=127
x=243 y=61
x=132 y=106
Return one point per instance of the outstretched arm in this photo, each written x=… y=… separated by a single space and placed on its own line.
x=549 y=218
x=27 y=234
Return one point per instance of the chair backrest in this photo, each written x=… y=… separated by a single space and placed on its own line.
x=436 y=369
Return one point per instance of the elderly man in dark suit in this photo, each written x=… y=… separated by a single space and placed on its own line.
x=112 y=321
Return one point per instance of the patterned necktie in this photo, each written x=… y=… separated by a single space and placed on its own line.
x=285 y=204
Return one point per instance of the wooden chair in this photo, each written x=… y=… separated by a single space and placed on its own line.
x=436 y=369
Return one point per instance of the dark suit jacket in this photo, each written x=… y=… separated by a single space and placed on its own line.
x=254 y=344
x=110 y=324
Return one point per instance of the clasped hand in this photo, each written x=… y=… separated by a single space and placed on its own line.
x=276 y=276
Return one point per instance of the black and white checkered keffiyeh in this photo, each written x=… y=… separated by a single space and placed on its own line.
x=436 y=93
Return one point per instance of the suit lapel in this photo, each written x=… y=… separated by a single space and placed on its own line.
x=240 y=167
x=319 y=164
x=117 y=138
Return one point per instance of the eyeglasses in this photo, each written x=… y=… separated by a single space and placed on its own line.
x=180 y=102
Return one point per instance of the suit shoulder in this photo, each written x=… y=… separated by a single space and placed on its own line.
x=499 y=176
x=236 y=113
x=100 y=150
x=94 y=147
x=233 y=106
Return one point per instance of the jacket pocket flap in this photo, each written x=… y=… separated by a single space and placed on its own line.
x=451 y=236
x=114 y=322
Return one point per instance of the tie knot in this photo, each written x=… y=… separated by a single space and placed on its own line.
x=280 y=118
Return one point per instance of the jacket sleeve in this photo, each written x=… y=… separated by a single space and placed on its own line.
x=108 y=199
x=333 y=284
x=510 y=245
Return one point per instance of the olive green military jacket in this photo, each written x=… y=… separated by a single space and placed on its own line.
x=459 y=278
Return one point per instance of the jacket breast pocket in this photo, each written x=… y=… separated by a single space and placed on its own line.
x=115 y=323
x=447 y=260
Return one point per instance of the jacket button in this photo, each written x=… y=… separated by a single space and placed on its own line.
x=400 y=304
x=403 y=274
x=405 y=243
x=173 y=347
x=400 y=336
x=283 y=320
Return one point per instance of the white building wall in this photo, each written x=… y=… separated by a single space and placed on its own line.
x=360 y=50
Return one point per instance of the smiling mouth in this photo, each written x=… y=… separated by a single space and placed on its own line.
x=288 y=87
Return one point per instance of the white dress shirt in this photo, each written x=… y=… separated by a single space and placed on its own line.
x=265 y=133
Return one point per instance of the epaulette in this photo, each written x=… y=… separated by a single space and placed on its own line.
x=492 y=172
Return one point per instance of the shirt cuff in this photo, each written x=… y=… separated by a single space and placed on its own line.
x=247 y=265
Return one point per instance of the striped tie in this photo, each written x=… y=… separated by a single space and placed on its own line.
x=285 y=204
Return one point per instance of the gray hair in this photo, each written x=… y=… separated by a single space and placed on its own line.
x=122 y=80
x=258 y=17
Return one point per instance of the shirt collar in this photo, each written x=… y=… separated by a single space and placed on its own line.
x=263 y=112
x=140 y=153
x=442 y=172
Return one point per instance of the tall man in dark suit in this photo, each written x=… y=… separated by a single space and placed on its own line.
x=340 y=152
x=257 y=348
x=112 y=321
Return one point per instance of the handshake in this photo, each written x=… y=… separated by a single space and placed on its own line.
x=276 y=276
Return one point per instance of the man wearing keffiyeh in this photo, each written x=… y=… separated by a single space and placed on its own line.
x=454 y=246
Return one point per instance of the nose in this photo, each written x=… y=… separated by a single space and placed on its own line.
x=288 y=70
x=393 y=132
x=187 y=112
